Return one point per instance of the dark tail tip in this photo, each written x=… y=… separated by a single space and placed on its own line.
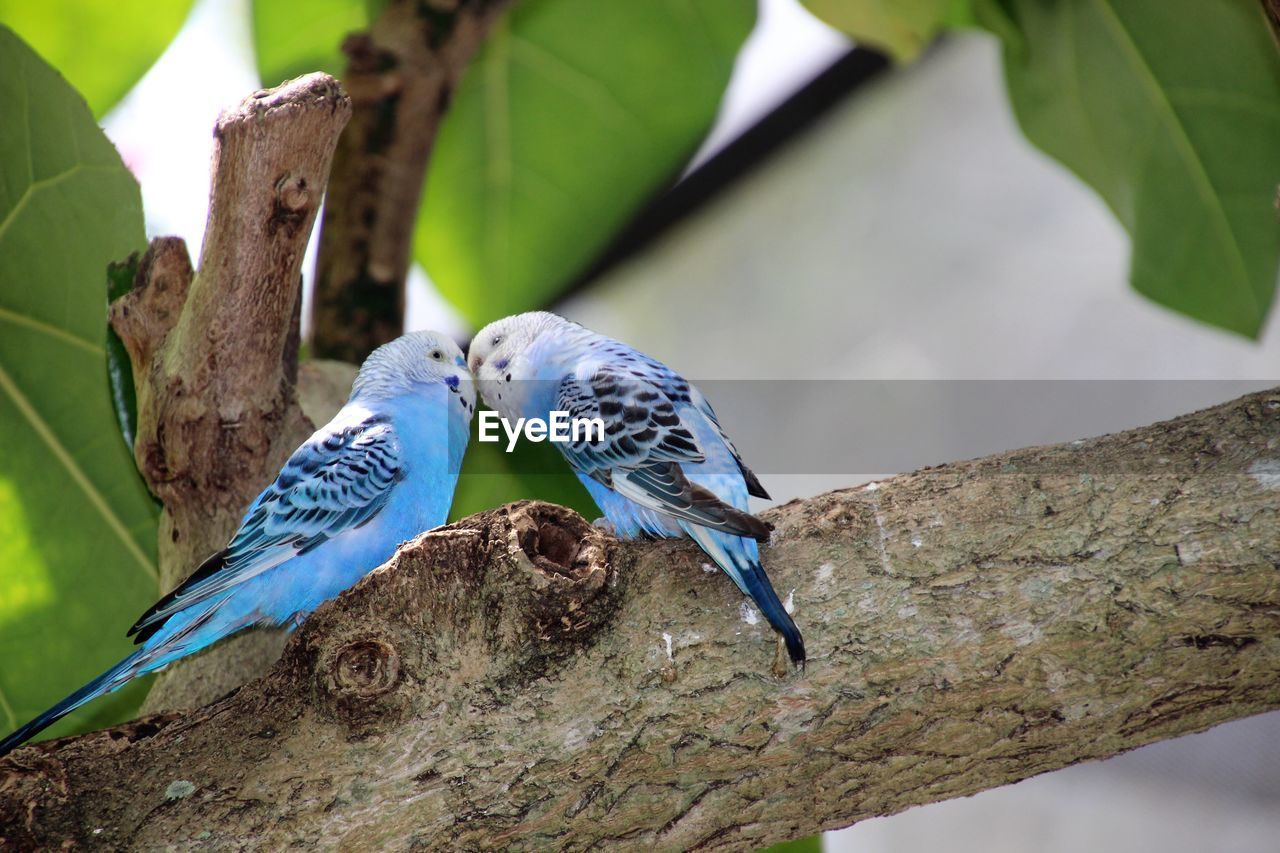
x=30 y=730
x=795 y=643
x=105 y=683
x=752 y=579
x=776 y=613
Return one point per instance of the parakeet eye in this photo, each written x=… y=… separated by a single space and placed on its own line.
x=437 y=355
x=497 y=339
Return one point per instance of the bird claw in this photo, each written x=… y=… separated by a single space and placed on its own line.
x=606 y=525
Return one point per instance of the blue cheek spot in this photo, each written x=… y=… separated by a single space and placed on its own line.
x=501 y=364
x=460 y=361
x=452 y=382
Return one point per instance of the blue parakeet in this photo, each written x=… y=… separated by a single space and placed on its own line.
x=664 y=468
x=378 y=474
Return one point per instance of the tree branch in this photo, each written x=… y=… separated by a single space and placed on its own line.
x=520 y=679
x=215 y=354
x=401 y=75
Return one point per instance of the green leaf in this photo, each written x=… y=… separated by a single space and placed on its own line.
x=1170 y=109
x=101 y=48
x=292 y=38
x=77 y=527
x=811 y=844
x=903 y=28
x=574 y=113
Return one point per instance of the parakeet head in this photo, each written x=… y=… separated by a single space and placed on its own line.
x=500 y=356
x=412 y=362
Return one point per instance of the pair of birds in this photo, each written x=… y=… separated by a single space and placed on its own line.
x=384 y=470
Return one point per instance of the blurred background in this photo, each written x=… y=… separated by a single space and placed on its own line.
x=846 y=220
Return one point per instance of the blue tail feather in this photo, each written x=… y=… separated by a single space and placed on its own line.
x=184 y=633
x=110 y=680
x=739 y=558
x=756 y=584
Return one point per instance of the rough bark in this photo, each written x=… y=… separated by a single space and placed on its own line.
x=401 y=75
x=520 y=679
x=214 y=352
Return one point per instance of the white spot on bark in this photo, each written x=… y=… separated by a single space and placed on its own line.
x=822 y=579
x=906 y=611
x=916 y=541
x=790 y=604
x=965 y=632
x=575 y=738
x=179 y=789
x=1189 y=553
x=679 y=641
x=1071 y=713
x=1022 y=632
x=871 y=487
x=881 y=538
x=1038 y=588
x=710 y=569
x=748 y=615
x=1266 y=472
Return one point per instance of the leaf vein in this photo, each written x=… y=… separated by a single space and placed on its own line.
x=52 y=331
x=577 y=83
x=43 y=184
x=8 y=710
x=1195 y=165
x=95 y=497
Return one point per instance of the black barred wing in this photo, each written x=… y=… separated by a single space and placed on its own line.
x=641 y=424
x=646 y=441
x=331 y=484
